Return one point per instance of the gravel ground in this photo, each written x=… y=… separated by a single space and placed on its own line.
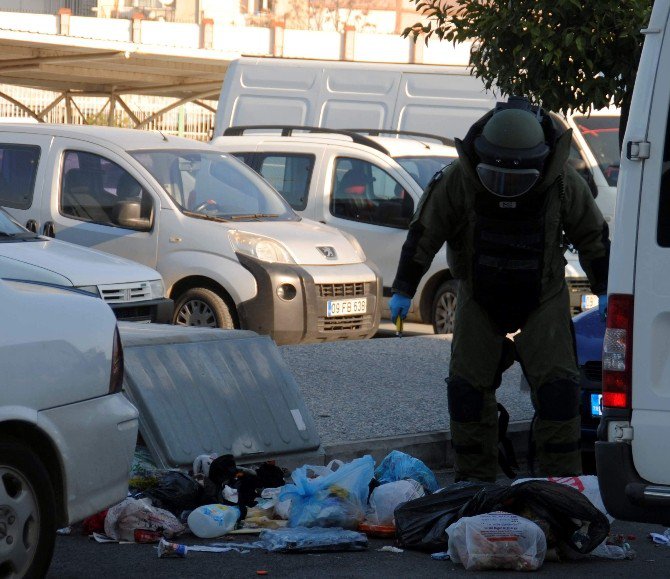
x=365 y=389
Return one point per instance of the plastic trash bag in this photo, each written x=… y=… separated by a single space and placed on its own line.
x=130 y=514
x=301 y=539
x=386 y=498
x=421 y=523
x=398 y=466
x=497 y=541
x=587 y=485
x=175 y=492
x=566 y=516
x=336 y=499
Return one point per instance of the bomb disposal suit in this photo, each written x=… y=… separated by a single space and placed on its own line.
x=503 y=208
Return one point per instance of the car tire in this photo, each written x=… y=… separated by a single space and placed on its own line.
x=27 y=513
x=202 y=307
x=443 y=311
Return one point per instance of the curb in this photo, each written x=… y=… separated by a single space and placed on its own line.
x=433 y=448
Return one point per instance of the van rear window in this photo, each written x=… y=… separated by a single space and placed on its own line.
x=18 y=168
x=663 y=226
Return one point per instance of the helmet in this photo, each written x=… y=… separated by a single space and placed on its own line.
x=512 y=149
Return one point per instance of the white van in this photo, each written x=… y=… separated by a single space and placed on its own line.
x=133 y=291
x=633 y=467
x=230 y=249
x=67 y=433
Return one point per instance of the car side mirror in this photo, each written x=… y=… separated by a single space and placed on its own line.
x=128 y=215
x=585 y=171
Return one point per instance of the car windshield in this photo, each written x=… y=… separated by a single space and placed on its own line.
x=215 y=185
x=423 y=168
x=10 y=229
x=601 y=133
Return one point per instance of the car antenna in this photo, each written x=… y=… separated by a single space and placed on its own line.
x=162 y=135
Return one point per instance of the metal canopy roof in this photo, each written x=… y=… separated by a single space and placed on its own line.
x=104 y=68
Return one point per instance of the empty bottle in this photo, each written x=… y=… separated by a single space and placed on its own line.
x=211 y=521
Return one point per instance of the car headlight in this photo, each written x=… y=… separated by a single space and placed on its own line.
x=157 y=289
x=259 y=247
x=90 y=289
x=357 y=246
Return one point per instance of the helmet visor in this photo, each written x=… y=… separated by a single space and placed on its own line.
x=507 y=182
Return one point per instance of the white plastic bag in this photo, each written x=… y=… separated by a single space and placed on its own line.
x=587 y=485
x=130 y=514
x=497 y=541
x=387 y=497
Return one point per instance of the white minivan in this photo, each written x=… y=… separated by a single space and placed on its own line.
x=633 y=467
x=67 y=432
x=232 y=252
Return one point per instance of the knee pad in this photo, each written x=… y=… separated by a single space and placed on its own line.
x=465 y=401
x=558 y=400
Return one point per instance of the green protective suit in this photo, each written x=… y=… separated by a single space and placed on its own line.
x=448 y=212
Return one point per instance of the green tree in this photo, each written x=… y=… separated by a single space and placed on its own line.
x=563 y=54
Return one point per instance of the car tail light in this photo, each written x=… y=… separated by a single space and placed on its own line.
x=116 y=379
x=618 y=352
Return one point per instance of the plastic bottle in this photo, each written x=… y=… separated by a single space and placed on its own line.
x=211 y=521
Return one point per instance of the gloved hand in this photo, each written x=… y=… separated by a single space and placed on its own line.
x=602 y=306
x=399 y=305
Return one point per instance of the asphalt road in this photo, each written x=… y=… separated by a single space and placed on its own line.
x=355 y=390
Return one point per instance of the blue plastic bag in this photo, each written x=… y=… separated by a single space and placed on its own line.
x=398 y=466
x=302 y=540
x=335 y=499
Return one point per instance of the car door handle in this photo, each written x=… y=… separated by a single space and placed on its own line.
x=32 y=225
x=49 y=229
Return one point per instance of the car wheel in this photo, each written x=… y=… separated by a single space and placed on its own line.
x=443 y=312
x=27 y=513
x=202 y=307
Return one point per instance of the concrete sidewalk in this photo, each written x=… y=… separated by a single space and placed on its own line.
x=374 y=396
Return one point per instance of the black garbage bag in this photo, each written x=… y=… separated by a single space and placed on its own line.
x=420 y=524
x=175 y=492
x=565 y=515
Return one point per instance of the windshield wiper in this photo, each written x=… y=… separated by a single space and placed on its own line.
x=5 y=234
x=204 y=216
x=254 y=216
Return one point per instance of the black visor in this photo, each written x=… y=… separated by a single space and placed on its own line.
x=507 y=183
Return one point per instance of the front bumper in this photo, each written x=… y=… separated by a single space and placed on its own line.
x=157 y=311
x=303 y=319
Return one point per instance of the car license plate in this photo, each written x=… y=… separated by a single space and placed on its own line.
x=349 y=307
x=596 y=405
x=589 y=301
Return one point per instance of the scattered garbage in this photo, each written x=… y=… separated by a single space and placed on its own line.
x=421 y=523
x=569 y=520
x=390 y=549
x=661 y=538
x=147 y=536
x=302 y=540
x=166 y=549
x=441 y=556
x=64 y=531
x=380 y=531
x=211 y=521
x=398 y=466
x=94 y=523
x=175 y=491
x=130 y=514
x=497 y=540
x=337 y=498
x=387 y=497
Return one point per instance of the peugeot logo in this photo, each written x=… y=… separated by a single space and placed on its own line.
x=328 y=252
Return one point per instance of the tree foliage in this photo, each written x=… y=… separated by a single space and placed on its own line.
x=563 y=54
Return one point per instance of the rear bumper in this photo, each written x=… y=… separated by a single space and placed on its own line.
x=622 y=488
x=303 y=319
x=157 y=311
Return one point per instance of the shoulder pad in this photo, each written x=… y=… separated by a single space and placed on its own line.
x=436 y=177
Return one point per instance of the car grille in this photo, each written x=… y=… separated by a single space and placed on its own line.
x=133 y=313
x=361 y=322
x=343 y=290
x=125 y=292
x=593 y=371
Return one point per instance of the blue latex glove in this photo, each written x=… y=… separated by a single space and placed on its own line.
x=602 y=306
x=399 y=305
